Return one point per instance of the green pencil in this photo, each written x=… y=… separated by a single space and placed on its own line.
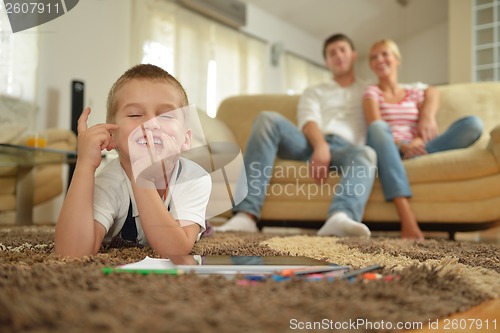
x=169 y=271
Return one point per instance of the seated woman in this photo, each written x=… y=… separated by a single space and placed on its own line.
x=402 y=125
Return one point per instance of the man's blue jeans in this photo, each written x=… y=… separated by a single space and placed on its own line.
x=461 y=134
x=273 y=135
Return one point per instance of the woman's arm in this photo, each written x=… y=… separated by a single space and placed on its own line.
x=427 y=125
x=77 y=233
x=371 y=110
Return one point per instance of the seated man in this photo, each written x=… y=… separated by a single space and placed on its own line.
x=330 y=134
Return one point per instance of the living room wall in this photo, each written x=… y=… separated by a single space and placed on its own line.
x=460 y=41
x=424 y=57
x=274 y=30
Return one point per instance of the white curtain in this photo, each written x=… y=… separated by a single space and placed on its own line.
x=210 y=60
x=18 y=60
x=300 y=74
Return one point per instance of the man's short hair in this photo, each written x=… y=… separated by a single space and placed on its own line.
x=335 y=38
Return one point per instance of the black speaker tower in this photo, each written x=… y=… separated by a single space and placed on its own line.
x=77 y=97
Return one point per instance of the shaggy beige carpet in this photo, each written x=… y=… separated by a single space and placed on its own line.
x=40 y=292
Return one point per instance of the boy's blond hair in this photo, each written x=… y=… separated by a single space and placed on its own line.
x=142 y=72
x=393 y=47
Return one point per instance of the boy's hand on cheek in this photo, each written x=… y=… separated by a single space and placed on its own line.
x=91 y=141
x=152 y=165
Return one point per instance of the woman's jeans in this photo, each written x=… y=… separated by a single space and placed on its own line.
x=274 y=135
x=461 y=134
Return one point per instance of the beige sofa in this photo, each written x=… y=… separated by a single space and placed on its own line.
x=15 y=121
x=453 y=191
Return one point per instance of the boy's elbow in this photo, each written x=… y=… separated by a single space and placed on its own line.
x=73 y=254
x=71 y=251
x=182 y=250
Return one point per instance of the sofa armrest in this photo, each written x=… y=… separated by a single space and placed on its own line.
x=59 y=138
x=213 y=130
x=494 y=144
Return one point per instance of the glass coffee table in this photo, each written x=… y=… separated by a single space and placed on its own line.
x=24 y=159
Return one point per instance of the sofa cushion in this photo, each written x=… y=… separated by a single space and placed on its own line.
x=494 y=144
x=7 y=185
x=460 y=100
x=9 y=133
x=239 y=112
x=460 y=164
x=451 y=165
x=7 y=202
x=450 y=212
x=16 y=118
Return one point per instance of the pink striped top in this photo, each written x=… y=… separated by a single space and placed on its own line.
x=402 y=117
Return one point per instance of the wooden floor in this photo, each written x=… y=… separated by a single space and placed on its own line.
x=482 y=318
x=491 y=235
x=488 y=236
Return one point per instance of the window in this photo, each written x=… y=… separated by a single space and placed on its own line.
x=18 y=60
x=486 y=40
x=210 y=60
x=300 y=74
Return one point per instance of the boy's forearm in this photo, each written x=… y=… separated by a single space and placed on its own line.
x=163 y=232
x=75 y=229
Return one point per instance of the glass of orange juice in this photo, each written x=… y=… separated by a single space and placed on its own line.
x=36 y=139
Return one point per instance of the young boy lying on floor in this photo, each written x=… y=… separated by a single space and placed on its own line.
x=132 y=201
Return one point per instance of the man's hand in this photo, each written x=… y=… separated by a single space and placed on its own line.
x=321 y=156
x=320 y=163
x=93 y=140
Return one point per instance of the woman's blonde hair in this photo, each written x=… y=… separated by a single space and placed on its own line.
x=393 y=47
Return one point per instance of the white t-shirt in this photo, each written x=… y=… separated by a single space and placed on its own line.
x=337 y=110
x=187 y=197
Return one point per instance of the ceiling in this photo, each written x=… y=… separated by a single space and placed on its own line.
x=365 y=21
